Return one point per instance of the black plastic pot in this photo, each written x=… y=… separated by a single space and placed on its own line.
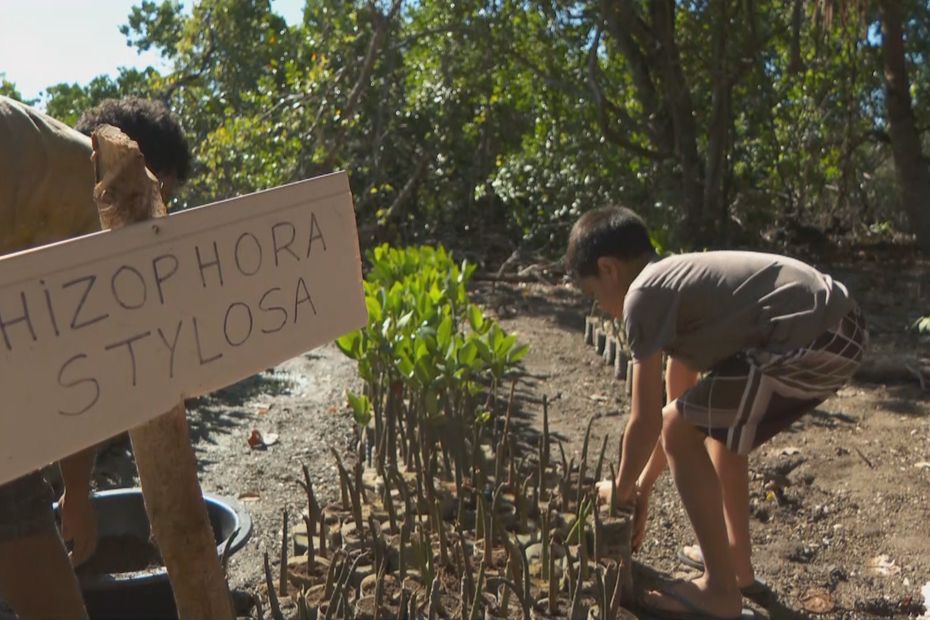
x=147 y=595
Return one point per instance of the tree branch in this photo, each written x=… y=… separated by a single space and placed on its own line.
x=603 y=104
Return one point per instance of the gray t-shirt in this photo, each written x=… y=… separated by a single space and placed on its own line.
x=703 y=308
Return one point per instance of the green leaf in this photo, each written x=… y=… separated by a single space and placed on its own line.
x=476 y=318
x=431 y=402
x=361 y=408
x=518 y=353
x=374 y=310
x=404 y=363
x=444 y=333
x=468 y=353
x=349 y=344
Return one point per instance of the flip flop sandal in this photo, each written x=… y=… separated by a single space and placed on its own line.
x=690 y=611
x=758 y=591
x=691 y=556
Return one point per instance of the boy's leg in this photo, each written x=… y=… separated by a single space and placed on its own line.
x=36 y=576
x=733 y=472
x=715 y=592
x=37 y=580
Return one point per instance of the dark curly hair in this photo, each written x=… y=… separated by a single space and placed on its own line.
x=151 y=125
x=609 y=231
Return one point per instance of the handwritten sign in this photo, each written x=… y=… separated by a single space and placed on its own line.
x=101 y=333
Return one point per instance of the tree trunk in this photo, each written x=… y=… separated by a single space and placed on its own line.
x=718 y=131
x=125 y=193
x=911 y=170
x=678 y=98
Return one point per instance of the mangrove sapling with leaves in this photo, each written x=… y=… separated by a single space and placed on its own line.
x=425 y=345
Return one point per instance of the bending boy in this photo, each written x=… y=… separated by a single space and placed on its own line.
x=46 y=195
x=753 y=341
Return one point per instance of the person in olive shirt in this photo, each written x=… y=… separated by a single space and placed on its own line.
x=753 y=341
x=46 y=195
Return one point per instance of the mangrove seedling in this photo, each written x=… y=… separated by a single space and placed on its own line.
x=553 y=584
x=613 y=503
x=545 y=542
x=356 y=508
x=503 y=594
x=379 y=585
x=544 y=461
x=311 y=552
x=282 y=580
x=441 y=534
x=476 y=602
x=600 y=459
x=465 y=567
x=303 y=611
x=343 y=481
x=388 y=502
x=521 y=504
x=576 y=612
x=272 y=595
x=404 y=493
x=435 y=606
x=330 y=582
x=402 y=551
x=313 y=507
x=402 y=606
x=541 y=474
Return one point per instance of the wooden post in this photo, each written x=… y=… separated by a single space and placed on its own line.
x=127 y=192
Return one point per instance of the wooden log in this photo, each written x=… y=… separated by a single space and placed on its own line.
x=127 y=192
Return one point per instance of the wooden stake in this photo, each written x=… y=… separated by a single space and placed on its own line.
x=126 y=192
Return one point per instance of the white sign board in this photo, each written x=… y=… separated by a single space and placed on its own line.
x=101 y=333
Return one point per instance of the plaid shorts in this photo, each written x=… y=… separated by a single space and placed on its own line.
x=25 y=507
x=747 y=399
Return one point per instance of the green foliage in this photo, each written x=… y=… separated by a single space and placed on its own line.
x=361 y=409
x=425 y=335
x=8 y=89
x=506 y=119
x=67 y=102
x=922 y=325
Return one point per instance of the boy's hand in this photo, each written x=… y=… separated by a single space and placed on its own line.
x=605 y=489
x=79 y=525
x=639 y=506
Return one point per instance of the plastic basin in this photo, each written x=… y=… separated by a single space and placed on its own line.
x=146 y=594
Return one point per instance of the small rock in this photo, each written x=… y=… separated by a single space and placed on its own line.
x=802 y=554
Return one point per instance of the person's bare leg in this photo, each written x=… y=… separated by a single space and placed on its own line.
x=37 y=580
x=715 y=592
x=733 y=473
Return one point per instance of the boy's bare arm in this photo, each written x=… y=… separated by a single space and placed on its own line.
x=679 y=378
x=643 y=427
x=78 y=521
